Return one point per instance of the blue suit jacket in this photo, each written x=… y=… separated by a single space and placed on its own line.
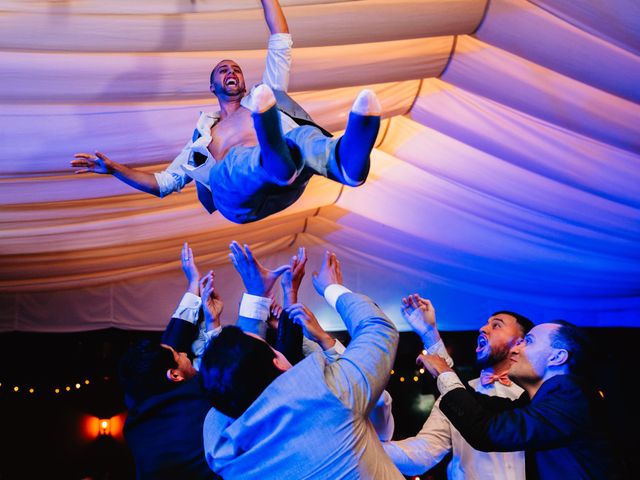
x=563 y=430
x=312 y=421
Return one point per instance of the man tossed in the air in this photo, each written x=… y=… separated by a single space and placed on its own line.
x=255 y=156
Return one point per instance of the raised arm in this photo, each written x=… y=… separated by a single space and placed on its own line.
x=101 y=164
x=360 y=375
x=274 y=16
x=416 y=455
x=182 y=329
x=258 y=282
x=421 y=316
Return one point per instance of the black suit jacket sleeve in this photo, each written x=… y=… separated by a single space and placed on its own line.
x=558 y=413
x=179 y=335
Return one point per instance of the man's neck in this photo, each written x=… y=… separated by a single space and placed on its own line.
x=531 y=388
x=498 y=368
x=229 y=105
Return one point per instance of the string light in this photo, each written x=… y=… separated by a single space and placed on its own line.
x=45 y=389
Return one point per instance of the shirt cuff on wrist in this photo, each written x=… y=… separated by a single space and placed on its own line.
x=439 y=349
x=448 y=381
x=255 y=307
x=188 y=308
x=333 y=292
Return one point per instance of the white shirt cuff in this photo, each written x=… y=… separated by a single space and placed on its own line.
x=333 y=292
x=166 y=183
x=335 y=352
x=439 y=349
x=339 y=347
x=255 y=307
x=448 y=381
x=188 y=308
x=214 y=332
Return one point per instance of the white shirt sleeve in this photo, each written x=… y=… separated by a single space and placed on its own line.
x=201 y=343
x=382 y=418
x=439 y=349
x=448 y=381
x=416 y=455
x=188 y=308
x=173 y=178
x=278 y=66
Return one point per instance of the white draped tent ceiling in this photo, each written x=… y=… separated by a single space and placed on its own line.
x=506 y=174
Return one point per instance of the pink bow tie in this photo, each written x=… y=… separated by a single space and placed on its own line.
x=487 y=378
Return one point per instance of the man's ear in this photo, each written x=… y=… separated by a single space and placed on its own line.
x=281 y=363
x=559 y=357
x=175 y=375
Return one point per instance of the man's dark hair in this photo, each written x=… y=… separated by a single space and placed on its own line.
x=143 y=370
x=235 y=370
x=575 y=341
x=524 y=322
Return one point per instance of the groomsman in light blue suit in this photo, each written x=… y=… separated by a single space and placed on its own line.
x=271 y=420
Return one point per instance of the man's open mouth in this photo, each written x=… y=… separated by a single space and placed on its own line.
x=231 y=82
x=482 y=342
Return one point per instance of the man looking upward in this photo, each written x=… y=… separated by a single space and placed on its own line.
x=255 y=156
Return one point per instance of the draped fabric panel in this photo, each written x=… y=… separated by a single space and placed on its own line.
x=505 y=174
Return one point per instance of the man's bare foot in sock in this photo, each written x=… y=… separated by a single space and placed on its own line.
x=367 y=104
x=359 y=138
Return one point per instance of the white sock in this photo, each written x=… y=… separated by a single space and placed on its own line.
x=367 y=104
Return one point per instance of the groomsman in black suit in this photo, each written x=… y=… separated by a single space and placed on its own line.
x=560 y=421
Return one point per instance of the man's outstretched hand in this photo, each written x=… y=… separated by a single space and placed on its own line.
x=421 y=316
x=434 y=364
x=292 y=278
x=328 y=274
x=211 y=301
x=311 y=328
x=257 y=279
x=88 y=163
x=190 y=269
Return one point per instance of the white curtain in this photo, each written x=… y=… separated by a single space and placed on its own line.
x=505 y=175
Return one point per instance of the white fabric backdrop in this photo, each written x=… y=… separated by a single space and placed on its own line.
x=505 y=175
